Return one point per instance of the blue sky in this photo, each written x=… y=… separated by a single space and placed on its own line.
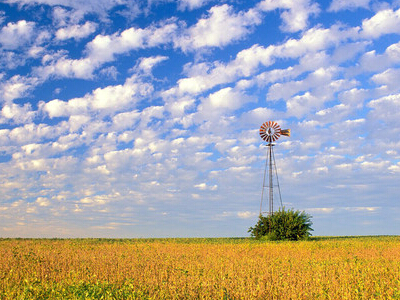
x=140 y=119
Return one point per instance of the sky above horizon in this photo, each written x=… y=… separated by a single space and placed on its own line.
x=140 y=118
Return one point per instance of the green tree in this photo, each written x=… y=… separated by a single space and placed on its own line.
x=283 y=225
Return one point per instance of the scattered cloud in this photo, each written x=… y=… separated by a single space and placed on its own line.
x=191 y=4
x=15 y=35
x=76 y=31
x=338 y=5
x=295 y=13
x=219 y=28
x=383 y=22
x=109 y=120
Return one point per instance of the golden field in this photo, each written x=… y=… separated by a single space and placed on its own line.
x=320 y=268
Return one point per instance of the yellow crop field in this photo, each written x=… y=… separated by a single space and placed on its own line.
x=320 y=268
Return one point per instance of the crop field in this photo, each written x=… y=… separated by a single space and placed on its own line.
x=320 y=268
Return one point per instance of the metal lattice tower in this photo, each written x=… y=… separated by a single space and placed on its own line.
x=270 y=131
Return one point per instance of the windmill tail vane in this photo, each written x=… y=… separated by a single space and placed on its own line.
x=285 y=132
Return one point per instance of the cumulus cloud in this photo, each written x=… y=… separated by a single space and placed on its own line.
x=372 y=61
x=191 y=4
x=146 y=64
x=63 y=17
x=87 y=6
x=16 y=87
x=103 y=49
x=221 y=27
x=119 y=96
x=59 y=67
x=386 y=109
x=204 y=186
x=15 y=35
x=246 y=63
x=76 y=32
x=206 y=76
x=219 y=104
x=383 y=22
x=296 y=12
x=18 y=114
x=246 y=214
x=109 y=99
x=388 y=80
x=337 y=5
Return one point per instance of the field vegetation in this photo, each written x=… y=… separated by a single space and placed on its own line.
x=283 y=225
x=319 y=268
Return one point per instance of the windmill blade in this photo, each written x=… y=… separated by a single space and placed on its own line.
x=270 y=131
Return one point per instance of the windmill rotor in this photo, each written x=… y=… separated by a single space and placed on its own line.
x=271 y=131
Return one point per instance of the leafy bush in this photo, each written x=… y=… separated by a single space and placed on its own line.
x=283 y=225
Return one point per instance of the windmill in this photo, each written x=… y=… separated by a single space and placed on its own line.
x=270 y=132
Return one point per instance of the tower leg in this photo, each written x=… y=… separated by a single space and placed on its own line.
x=270 y=165
x=271 y=186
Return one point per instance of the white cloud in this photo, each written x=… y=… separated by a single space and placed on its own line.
x=225 y=99
x=395 y=168
x=178 y=107
x=30 y=133
x=386 y=109
x=219 y=104
x=221 y=27
x=41 y=201
x=110 y=72
x=11 y=60
x=55 y=108
x=2 y=17
x=324 y=210
x=191 y=4
x=363 y=208
x=388 y=80
x=36 y=51
x=349 y=51
x=354 y=96
x=337 y=5
x=315 y=79
x=18 y=114
x=103 y=49
x=296 y=12
x=86 y=6
x=315 y=39
x=258 y=116
x=146 y=64
x=300 y=105
x=204 y=186
x=119 y=96
x=77 y=121
x=16 y=87
x=15 y=35
x=383 y=22
x=65 y=67
x=76 y=32
x=63 y=17
x=125 y=120
x=109 y=99
x=246 y=214
x=205 y=76
x=372 y=62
